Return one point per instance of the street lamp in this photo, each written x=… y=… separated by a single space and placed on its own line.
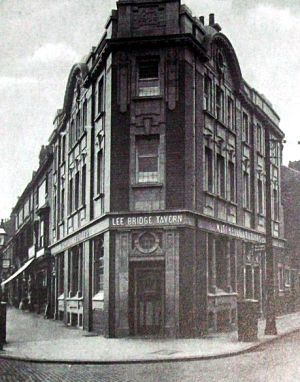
x=270 y=328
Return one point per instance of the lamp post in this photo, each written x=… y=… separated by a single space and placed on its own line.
x=270 y=328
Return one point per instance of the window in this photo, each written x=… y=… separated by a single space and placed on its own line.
x=62 y=204
x=220 y=103
x=100 y=96
x=280 y=277
x=41 y=234
x=77 y=182
x=42 y=194
x=78 y=125
x=220 y=175
x=61 y=273
x=246 y=132
x=99 y=172
x=275 y=204
x=147 y=159
x=83 y=186
x=54 y=206
x=98 y=265
x=231 y=175
x=207 y=94
x=148 y=78
x=70 y=196
x=260 y=139
x=75 y=271
x=246 y=190
x=84 y=113
x=62 y=148
x=287 y=277
x=208 y=169
x=230 y=113
x=260 y=204
x=71 y=134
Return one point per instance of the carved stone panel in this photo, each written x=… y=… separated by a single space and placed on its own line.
x=148 y=18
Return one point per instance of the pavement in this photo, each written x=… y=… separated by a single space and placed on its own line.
x=30 y=337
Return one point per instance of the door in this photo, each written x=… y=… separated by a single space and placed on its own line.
x=149 y=301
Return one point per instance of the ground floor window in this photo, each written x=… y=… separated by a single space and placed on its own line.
x=60 y=273
x=98 y=266
x=75 y=271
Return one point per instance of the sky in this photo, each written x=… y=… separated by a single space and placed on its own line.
x=40 y=40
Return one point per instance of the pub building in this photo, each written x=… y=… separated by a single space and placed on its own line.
x=158 y=205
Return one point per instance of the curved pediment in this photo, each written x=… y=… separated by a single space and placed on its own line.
x=224 y=59
x=73 y=89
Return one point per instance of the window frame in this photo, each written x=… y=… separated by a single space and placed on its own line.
x=138 y=177
x=209 y=169
x=143 y=81
x=219 y=103
x=220 y=176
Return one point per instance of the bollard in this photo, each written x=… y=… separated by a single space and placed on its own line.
x=2 y=324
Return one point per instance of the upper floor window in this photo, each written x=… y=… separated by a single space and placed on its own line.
x=147 y=159
x=220 y=103
x=148 y=78
x=70 y=194
x=230 y=113
x=246 y=128
x=260 y=202
x=83 y=186
x=280 y=277
x=246 y=190
x=207 y=94
x=71 y=134
x=275 y=205
x=84 y=113
x=208 y=170
x=62 y=205
x=78 y=125
x=100 y=101
x=231 y=181
x=99 y=181
x=260 y=144
x=77 y=182
x=221 y=175
x=41 y=234
x=62 y=148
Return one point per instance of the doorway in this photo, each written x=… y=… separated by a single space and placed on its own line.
x=147 y=299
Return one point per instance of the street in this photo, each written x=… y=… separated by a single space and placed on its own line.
x=278 y=361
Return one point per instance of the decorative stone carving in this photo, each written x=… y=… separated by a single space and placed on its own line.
x=147 y=243
x=148 y=16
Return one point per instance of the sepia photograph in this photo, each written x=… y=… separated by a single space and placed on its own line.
x=150 y=190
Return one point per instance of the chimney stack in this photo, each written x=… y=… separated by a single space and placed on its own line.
x=211 y=19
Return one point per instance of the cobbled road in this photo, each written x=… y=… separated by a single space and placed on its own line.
x=275 y=362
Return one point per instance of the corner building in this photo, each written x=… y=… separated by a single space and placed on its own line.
x=159 y=196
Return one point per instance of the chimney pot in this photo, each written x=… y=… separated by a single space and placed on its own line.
x=211 y=19
x=201 y=19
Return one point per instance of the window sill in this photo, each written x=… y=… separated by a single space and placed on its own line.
x=246 y=144
x=99 y=196
x=99 y=296
x=210 y=193
x=247 y=210
x=76 y=211
x=99 y=115
x=147 y=185
x=143 y=98
x=209 y=113
x=76 y=143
